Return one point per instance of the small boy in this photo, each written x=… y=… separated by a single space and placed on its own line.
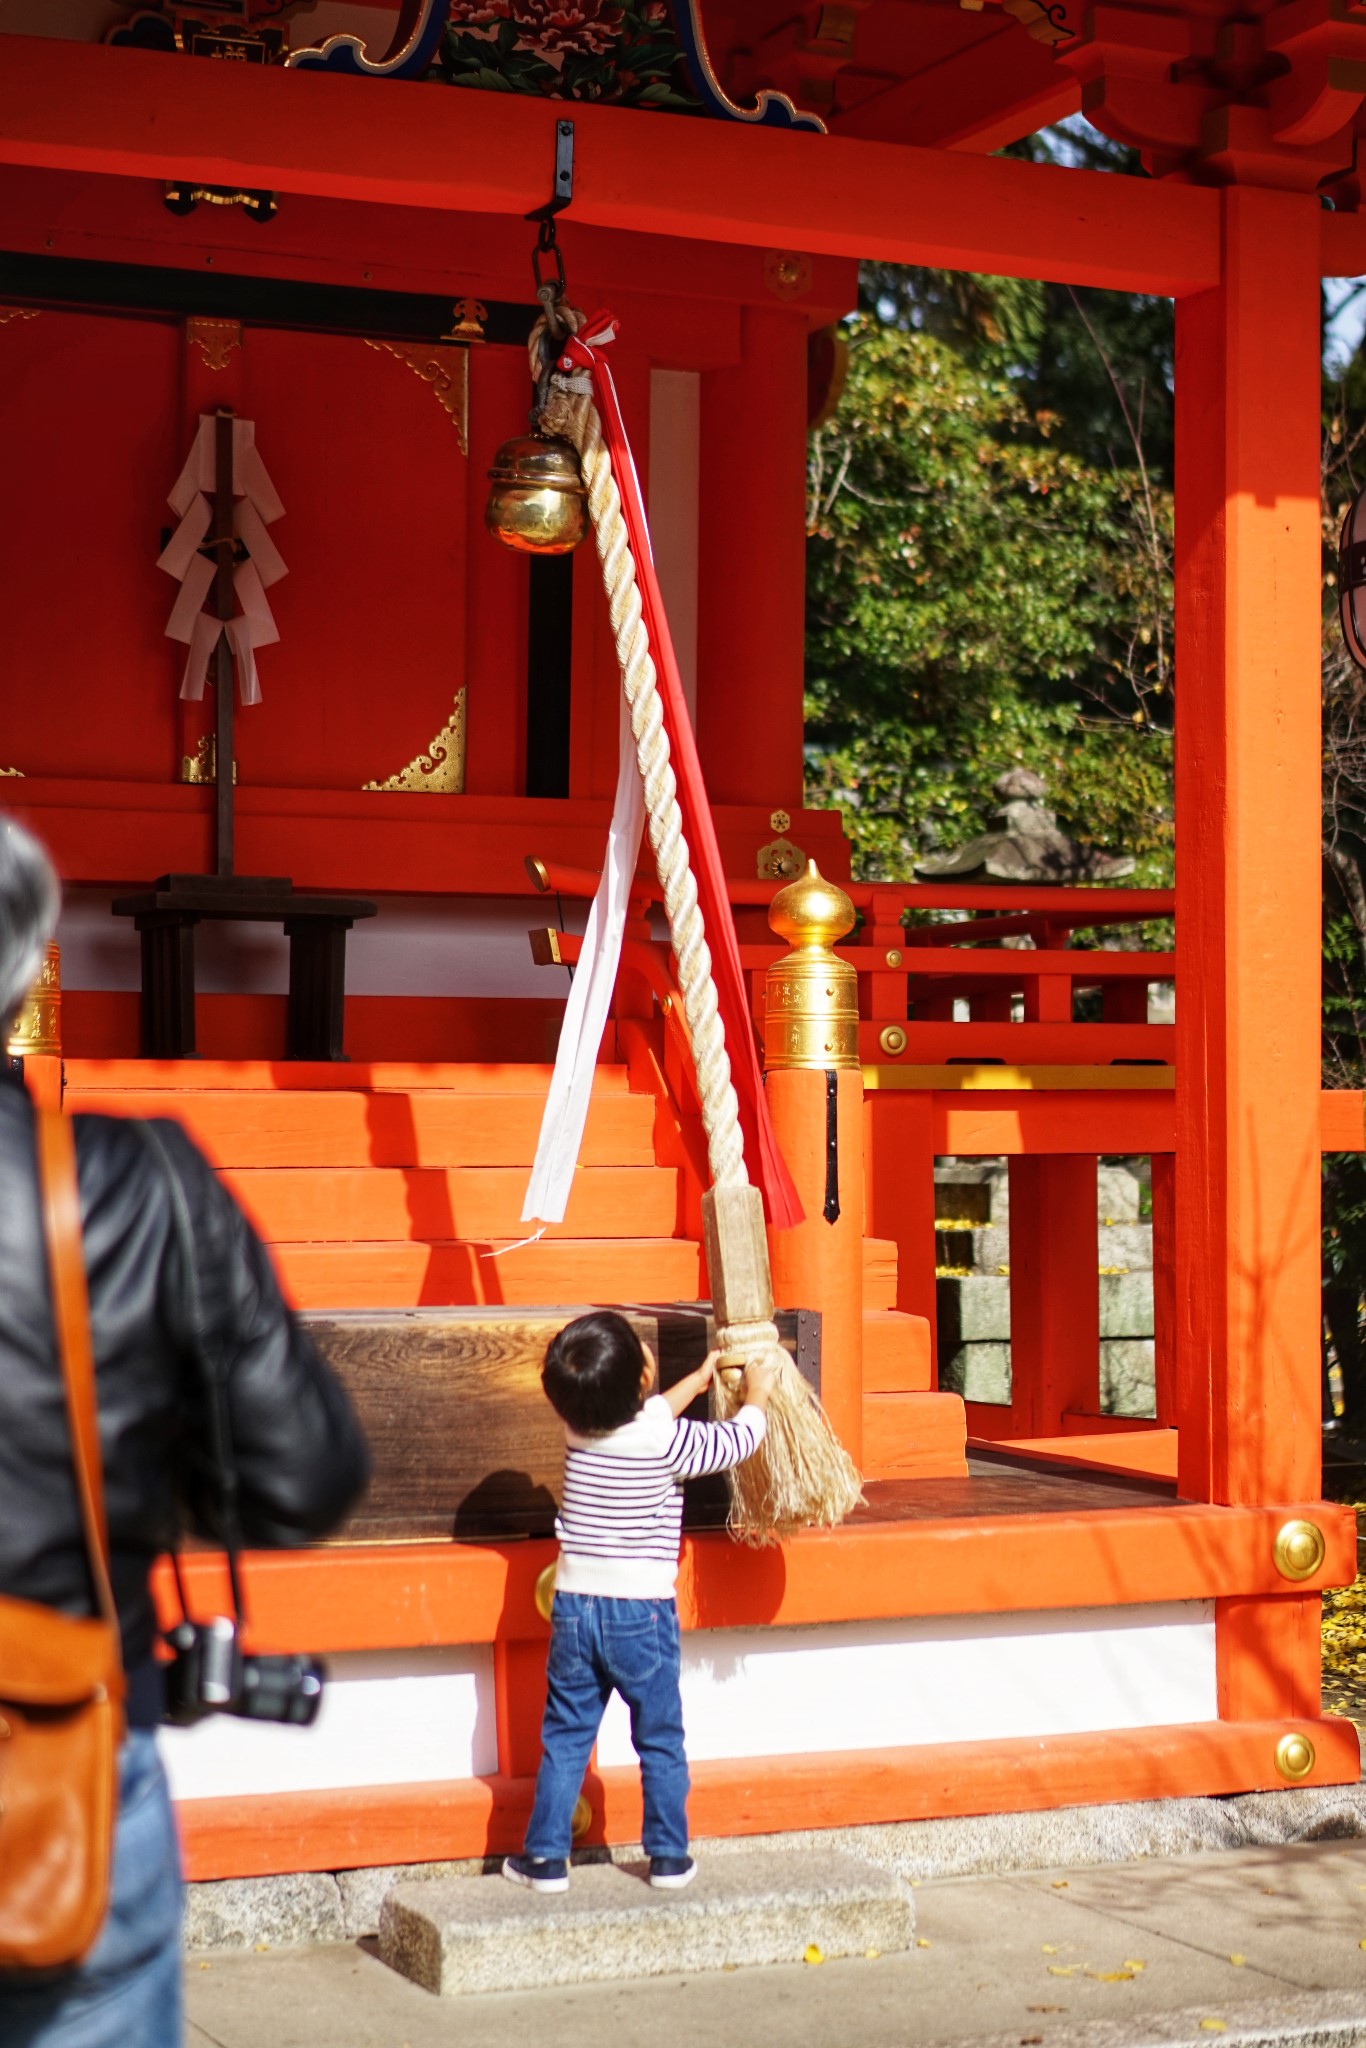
x=615 y=1620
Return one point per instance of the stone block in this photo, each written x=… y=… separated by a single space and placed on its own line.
x=1127 y=1376
x=1125 y=1244
x=275 y=1912
x=979 y=1372
x=973 y=1311
x=1117 y=1194
x=456 y=1935
x=1126 y=1305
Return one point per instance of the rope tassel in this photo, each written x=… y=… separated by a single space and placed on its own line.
x=801 y=1474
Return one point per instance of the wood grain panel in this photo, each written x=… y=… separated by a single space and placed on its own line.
x=464 y=1441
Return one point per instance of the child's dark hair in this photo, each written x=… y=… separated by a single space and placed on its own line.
x=592 y=1372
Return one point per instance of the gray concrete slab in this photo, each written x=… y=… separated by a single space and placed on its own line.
x=462 y=1935
x=1050 y=1958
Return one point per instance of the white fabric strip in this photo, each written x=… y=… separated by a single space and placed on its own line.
x=585 y=1014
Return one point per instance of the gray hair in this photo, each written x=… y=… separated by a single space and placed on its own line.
x=30 y=897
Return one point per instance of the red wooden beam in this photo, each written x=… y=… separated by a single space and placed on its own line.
x=127 y=113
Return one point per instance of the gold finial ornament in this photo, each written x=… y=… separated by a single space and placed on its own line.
x=537 y=503
x=1298 y=1550
x=811 y=999
x=38 y=1027
x=1295 y=1757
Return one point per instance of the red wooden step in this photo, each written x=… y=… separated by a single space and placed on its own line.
x=468 y=1077
x=397 y=1275
x=336 y=1128
x=356 y=1204
x=914 y=1436
x=897 y=1357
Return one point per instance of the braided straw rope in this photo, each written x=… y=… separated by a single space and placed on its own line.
x=801 y=1474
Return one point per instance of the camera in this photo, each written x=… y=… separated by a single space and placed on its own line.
x=209 y=1674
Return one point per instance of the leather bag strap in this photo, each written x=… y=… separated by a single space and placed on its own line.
x=61 y=1202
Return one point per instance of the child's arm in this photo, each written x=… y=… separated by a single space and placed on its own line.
x=684 y=1392
x=759 y=1378
x=700 y=1448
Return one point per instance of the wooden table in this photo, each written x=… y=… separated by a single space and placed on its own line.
x=315 y=925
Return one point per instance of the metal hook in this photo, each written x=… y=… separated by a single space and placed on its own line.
x=562 y=189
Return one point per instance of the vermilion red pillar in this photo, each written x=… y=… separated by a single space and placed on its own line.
x=1246 y=1361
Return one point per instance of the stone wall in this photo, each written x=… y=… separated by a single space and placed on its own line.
x=972 y=1209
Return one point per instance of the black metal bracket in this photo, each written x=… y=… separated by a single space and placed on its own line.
x=562 y=191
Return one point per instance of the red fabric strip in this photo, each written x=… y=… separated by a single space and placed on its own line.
x=767 y=1167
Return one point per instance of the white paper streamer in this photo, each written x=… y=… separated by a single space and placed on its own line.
x=585 y=1013
x=257 y=504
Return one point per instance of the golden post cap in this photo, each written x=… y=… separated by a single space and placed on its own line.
x=811 y=911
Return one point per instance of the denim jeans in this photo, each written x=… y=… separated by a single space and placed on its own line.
x=127 y=1992
x=598 y=1646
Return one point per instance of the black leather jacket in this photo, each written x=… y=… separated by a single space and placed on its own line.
x=299 y=1452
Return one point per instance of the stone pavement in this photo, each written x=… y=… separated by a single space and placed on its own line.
x=1257 y=1945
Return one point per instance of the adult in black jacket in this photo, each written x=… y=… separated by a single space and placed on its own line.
x=298 y=1450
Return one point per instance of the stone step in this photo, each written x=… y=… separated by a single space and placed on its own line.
x=478 y=1934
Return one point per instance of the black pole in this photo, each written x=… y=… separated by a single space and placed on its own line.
x=223 y=676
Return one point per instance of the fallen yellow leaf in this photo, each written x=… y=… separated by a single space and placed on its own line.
x=1131 y=1964
x=261 y=1947
x=1213 y=2026
x=1063 y=1969
x=1050 y=1948
x=1112 y=1976
x=812 y=1954
x=1237 y=1961
x=921 y=1942
x=870 y=1955
x=1060 y=1884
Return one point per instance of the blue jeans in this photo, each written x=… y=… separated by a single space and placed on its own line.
x=127 y=1992
x=598 y=1646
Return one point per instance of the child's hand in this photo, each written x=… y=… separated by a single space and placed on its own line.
x=684 y=1392
x=761 y=1376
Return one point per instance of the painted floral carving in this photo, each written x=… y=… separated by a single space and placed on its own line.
x=623 y=51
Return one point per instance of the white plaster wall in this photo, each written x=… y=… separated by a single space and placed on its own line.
x=413 y=946
x=965 y=1678
x=400 y=1717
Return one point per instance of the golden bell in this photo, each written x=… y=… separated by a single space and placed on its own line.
x=537 y=503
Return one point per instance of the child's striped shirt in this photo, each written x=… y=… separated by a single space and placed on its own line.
x=621 y=1514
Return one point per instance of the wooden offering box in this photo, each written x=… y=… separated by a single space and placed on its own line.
x=465 y=1443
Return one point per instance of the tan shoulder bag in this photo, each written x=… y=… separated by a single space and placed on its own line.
x=61 y=1677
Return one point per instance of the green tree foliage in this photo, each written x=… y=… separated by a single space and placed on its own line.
x=981 y=590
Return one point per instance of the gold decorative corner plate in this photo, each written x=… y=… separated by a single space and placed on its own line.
x=8 y=313
x=13 y=771
x=441 y=770
x=444 y=368
x=215 y=339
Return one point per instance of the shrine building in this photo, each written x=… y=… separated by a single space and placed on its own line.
x=279 y=262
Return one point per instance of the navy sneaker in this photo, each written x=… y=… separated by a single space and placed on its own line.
x=671 y=1873
x=539 y=1873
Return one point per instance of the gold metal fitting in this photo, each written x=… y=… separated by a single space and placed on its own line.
x=892 y=1039
x=38 y=1027
x=1298 y=1550
x=537 y=503
x=1295 y=1756
x=582 y=1818
x=780 y=821
x=894 y=957
x=811 y=997
x=544 y=1595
